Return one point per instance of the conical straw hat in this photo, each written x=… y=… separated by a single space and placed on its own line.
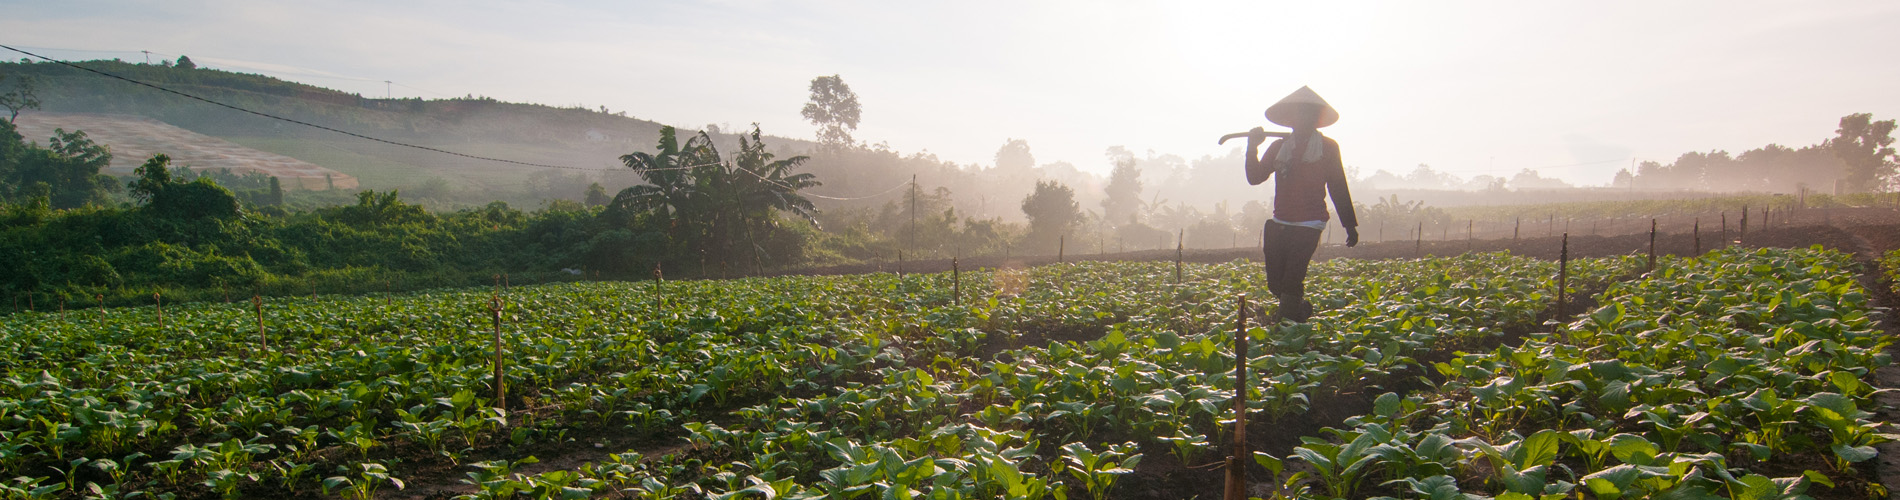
x=1281 y=112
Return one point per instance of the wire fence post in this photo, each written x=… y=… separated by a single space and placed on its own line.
x=1237 y=463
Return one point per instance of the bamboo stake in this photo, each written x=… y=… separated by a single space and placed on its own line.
x=263 y=340
x=1651 y=266
x=659 y=294
x=1237 y=463
x=500 y=383
x=1180 y=244
x=1563 y=275
x=1698 y=237
x=956 y=282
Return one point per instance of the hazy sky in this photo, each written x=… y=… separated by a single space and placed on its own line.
x=1468 y=87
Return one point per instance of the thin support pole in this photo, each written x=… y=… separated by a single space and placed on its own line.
x=956 y=282
x=161 y=309
x=1563 y=276
x=263 y=340
x=1180 y=244
x=1237 y=463
x=501 y=401
x=1651 y=266
x=659 y=293
x=1697 y=231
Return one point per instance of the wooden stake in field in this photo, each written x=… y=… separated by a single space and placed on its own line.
x=500 y=383
x=156 y=301
x=102 y=304
x=1563 y=275
x=956 y=282
x=1062 y=245
x=1724 y=233
x=263 y=341
x=1470 y=233
x=388 y=294
x=1697 y=231
x=659 y=295
x=1237 y=463
x=1180 y=244
x=1516 y=227
x=1651 y=266
x=1418 y=245
x=1744 y=236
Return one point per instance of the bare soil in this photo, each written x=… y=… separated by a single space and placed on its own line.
x=134 y=139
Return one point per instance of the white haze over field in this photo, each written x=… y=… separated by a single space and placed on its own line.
x=1470 y=88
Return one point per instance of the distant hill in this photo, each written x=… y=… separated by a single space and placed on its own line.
x=135 y=138
x=473 y=125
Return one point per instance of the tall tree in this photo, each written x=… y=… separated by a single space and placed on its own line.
x=1052 y=213
x=185 y=63
x=1014 y=155
x=596 y=195
x=1866 y=148
x=834 y=109
x=1124 y=193
x=22 y=96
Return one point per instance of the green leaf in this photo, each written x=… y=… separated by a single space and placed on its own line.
x=1818 y=478
x=1855 y=453
x=1539 y=449
x=1387 y=405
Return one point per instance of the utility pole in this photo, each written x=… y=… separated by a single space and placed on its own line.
x=387 y=93
x=148 y=56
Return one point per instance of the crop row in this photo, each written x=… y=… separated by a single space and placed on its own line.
x=1714 y=377
x=1074 y=415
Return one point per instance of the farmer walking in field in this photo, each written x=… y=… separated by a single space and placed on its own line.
x=1308 y=169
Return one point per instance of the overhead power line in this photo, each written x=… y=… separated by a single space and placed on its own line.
x=299 y=122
